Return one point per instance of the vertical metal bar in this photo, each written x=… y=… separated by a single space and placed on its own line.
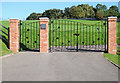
x=25 y=34
x=89 y=36
x=31 y=35
x=36 y=35
x=102 y=35
x=71 y=34
x=8 y=36
x=68 y=34
x=86 y=36
x=92 y=35
x=105 y=36
x=95 y=36
x=80 y=35
x=59 y=34
x=53 y=37
x=74 y=35
x=83 y=35
x=65 y=34
x=20 y=35
x=77 y=37
x=28 y=37
x=62 y=36
x=39 y=35
x=56 y=34
x=99 y=36
x=50 y=35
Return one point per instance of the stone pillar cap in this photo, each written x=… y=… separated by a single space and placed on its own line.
x=112 y=17
x=43 y=18
x=14 y=18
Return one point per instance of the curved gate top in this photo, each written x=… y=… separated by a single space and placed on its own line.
x=72 y=35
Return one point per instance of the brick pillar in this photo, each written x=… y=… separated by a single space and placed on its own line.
x=112 y=35
x=44 y=34
x=14 y=35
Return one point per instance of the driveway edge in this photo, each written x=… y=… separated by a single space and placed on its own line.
x=113 y=63
x=6 y=55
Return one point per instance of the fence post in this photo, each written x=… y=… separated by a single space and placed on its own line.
x=44 y=34
x=14 y=35
x=112 y=35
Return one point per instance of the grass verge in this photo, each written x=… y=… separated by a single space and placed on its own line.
x=4 y=49
x=114 y=58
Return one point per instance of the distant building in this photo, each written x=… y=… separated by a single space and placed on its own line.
x=119 y=5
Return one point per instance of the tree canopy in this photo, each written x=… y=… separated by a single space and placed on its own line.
x=76 y=12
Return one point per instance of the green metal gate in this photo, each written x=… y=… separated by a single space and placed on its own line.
x=29 y=35
x=72 y=35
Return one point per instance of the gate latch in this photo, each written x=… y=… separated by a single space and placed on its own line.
x=76 y=34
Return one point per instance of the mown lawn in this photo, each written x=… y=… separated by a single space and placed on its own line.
x=114 y=58
x=4 y=25
x=4 y=49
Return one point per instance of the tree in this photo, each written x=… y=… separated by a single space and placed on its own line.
x=80 y=11
x=99 y=6
x=88 y=10
x=67 y=12
x=113 y=11
x=92 y=12
x=39 y=15
x=53 y=13
x=115 y=8
x=102 y=8
x=77 y=12
x=32 y=16
x=99 y=15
